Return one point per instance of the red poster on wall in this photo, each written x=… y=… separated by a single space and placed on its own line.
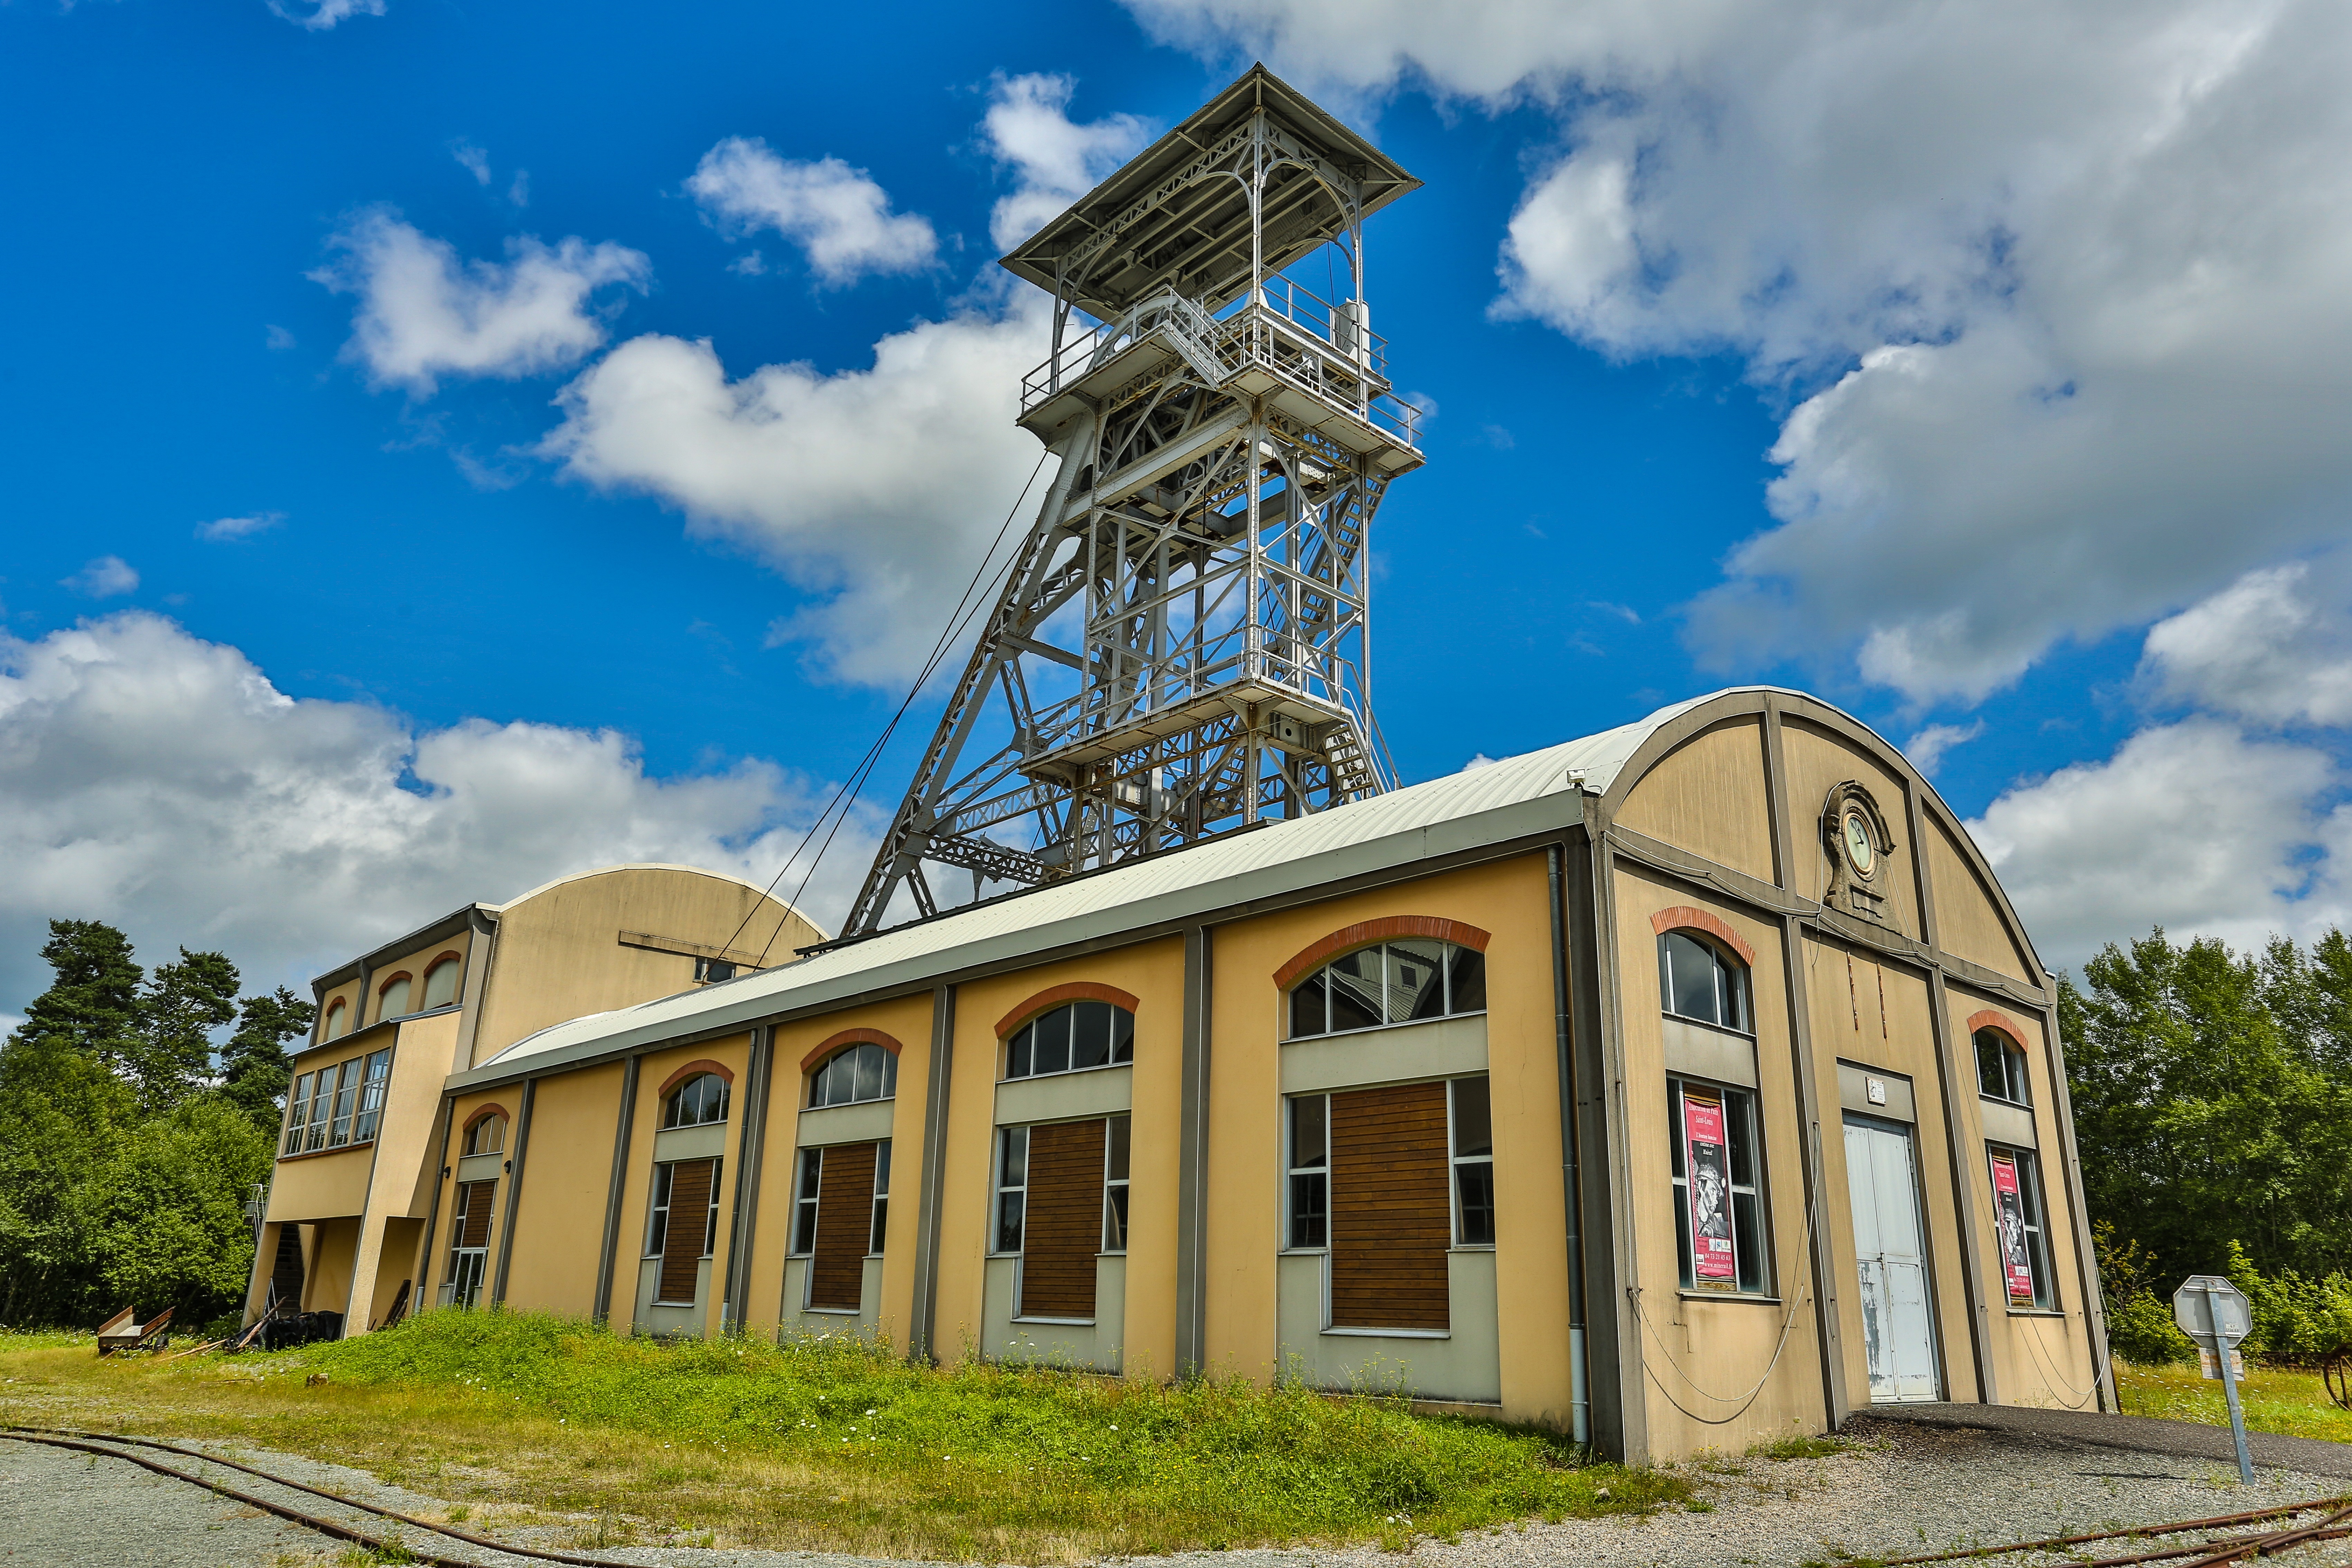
x=1712 y=1262
x=2009 y=1211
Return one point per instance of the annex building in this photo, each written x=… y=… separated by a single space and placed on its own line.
x=1677 y=1085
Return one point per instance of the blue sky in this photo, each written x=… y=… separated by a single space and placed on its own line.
x=377 y=538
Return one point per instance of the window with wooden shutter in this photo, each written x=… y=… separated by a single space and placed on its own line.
x=474 y=1209
x=686 y=1235
x=844 y=1223
x=1063 y=1230
x=1391 y=1214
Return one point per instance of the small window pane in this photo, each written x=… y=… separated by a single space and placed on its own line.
x=1115 y=1161
x=1019 y=1058
x=1748 y=1241
x=1356 y=991
x=1308 y=1226
x=1115 y=1219
x=1054 y=1041
x=1306 y=1145
x=1475 y=1182
x=1122 y=1035
x=1090 y=1034
x=1416 y=979
x=1467 y=982
x=1473 y=1123
x=1306 y=1018
x=1739 y=1117
x=1692 y=990
x=1992 y=1076
x=869 y=1073
x=1015 y=1173
x=890 y=1074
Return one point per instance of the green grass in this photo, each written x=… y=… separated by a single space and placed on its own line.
x=2281 y=1400
x=834 y=1444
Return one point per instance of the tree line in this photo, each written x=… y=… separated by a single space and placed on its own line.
x=137 y=1110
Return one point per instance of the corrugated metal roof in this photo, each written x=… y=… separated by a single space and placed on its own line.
x=1144 y=892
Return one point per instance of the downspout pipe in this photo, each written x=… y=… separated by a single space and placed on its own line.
x=1571 y=1174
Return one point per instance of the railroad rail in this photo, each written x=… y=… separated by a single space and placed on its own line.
x=95 y=1443
x=2334 y=1523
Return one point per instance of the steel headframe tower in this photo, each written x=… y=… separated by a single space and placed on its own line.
x=1180 y=647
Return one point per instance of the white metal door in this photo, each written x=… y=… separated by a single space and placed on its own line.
x=1896 y=1324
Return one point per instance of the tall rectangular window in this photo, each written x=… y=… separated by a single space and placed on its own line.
x=373 y=1080
x=1311 y=1172
x=682 y=1230
x=322 y=1109
x=881 y=1232
x=1719 y=1206
x=1063 y=1198
x=1114 y=1238
x=1012 y=1187
x=2023 y=1229
x=1474 y=1164
x=843 y=1233
x=298 y=1114
x=347 y=1094
x=805 y=1203
x=1391 y=1222
x=470 y=1240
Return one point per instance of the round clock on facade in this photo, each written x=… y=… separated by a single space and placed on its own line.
x=1853 y=832
x=1858 y=847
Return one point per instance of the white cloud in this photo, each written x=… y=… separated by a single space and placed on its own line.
x=160 y=782
x=424 y=313
x=838 y=216
x=1053 y=160
x=104 y=578
x=225 y=529
x=2064 y=293
x=2193 y=826
x=2275 y=648
x=1927 y=748
x=277 y=338
x=875 y=489
x=476 y=162
x=324 y=15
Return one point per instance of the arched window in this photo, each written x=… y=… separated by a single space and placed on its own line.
x=441 y=983
x=393 y=1003
x=1699 y=981
x=1075 y=1036
x=1400 y=981
x=339 y=1018
x=487 y=1136
x=2001 y=1069
x=848 y=1077
x=698 y=1102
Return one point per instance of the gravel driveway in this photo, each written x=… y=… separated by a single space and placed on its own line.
x=1903 y=1488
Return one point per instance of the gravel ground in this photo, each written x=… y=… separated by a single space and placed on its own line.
x=1902 y=1489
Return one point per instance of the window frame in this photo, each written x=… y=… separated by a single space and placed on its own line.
x=298 y=1115
x=877 y=1233
x=1450 y=961
x=1747 y=1127
x=1021 y=1044
x=424 y=992
x=472 y=1146
x=2034 y=1218
x=1727 y=967
x=2017 y=1078
x=1313 y=1175
x=657 y=1207
x=704 y=970
x=1118 y=1134
x=1461 y=1167
x=407 y=984
x=345 y=1103
x=1001 y=1190
x=889 y=1076
x=677 y=1096
x=809 y=1180
x=375 y=1081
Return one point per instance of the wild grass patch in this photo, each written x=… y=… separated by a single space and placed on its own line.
x=836 y=1444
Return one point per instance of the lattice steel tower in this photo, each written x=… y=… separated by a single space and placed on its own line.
x=1180 y=647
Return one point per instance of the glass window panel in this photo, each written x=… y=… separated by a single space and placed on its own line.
x=1308 y=1195
x=1115 y=1220
x=1739 y=1129
x=869 y=1073
x=1089 y=1034
x=1307 y=1018
x=1054 y=1041
x=441 y=985
x=1355 y=983
x=1991 y=1074
x=1466 y=980
x=1019 y=1056
x=889 y=1076
x=1008 y=1221
x=347 y=1090
x=1416 y=979
x=1122 y=1035
x=1114 y=1162
x=1474 y=1181
x=1307 y=1142
x=1015 y=1171
x=1747 y=1240
x=1472 y=1122
x=882 y=1166
x=396 y=1000
x=1690 y=967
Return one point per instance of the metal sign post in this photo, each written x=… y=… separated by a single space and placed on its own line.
x=2214 y=1312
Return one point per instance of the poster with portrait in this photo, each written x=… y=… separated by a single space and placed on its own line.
x=1713 y=1265
x=2009 y=1214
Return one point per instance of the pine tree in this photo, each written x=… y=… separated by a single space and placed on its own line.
x=93 y=1006
x=254 y=1070
x=179 y=1009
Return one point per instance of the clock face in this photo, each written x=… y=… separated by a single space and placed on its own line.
x=1858 y=847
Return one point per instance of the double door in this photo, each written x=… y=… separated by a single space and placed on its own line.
x=1898 y=1328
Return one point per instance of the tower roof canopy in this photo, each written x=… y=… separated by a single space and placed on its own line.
x=1176 y=216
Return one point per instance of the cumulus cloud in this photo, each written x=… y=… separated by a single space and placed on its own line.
x=162 y=783
x=475 y=161
x=2194 y=827
x=2274 y=648
x=1927 y=748
x=838 y=215
x=323 y=15
x=106 y=577
x=2058 y=293
x=227 y=530
x=875 y=489
x=424 y=312
x=1053 y=158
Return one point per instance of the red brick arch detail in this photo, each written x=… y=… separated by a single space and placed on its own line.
x=1053 y=996
x=689 y=1071
x=1990 y=1019
x=395 y=978
x=1363 y=933
x=483 y=1114
x=1684 y=916
x=832 y=1042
